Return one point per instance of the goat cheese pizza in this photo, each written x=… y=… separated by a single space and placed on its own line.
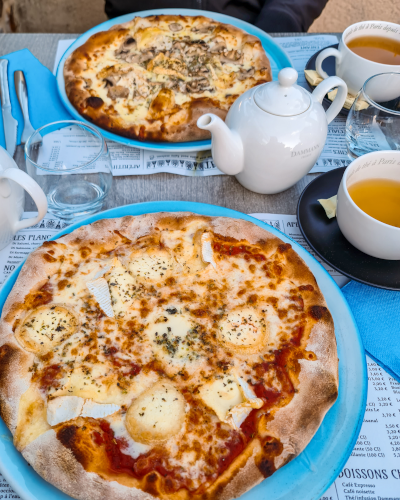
x=170 y=355
x=152 y=78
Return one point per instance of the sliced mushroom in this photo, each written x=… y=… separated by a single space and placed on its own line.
x=207 y=28
x=146 y=56
x=171 y=84
x=178 y=45
x=117 y=92
x=198 y=85
x=175 y=27
x=199 y=71
x=219 y=47
x=232 y=57
x=133 y=58
x=195 y=49
x=243 y=74
x=126 y=46
x=112 y=80
x=182 y=87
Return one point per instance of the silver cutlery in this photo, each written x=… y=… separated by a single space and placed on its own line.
x=22 y=94
x=9 y=122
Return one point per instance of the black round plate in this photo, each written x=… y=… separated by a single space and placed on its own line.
x=324 y=237
x=329 y=66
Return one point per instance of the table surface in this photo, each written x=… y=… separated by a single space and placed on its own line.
x=220 y=190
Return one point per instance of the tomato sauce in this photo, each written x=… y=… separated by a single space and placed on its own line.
x=133 y=369
x=284 y=358
x=226 y=249
x=120 y=463
x=51 y=375
x=270 y=396
x=39 y=298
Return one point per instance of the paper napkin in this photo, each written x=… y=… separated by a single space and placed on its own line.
x=45 y=105
x=377 y=314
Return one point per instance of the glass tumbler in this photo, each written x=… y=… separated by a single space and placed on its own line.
x=373 y=123
x=71 y=163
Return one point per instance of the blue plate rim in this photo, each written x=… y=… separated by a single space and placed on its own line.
x=208 y=209
x=156 y=146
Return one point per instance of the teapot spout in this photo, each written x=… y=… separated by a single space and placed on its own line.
x=226 y=144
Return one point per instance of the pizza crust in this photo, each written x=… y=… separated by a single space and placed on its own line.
x=57 y=465
x=294 y=424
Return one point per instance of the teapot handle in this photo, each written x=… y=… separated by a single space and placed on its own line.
x=33 y=189
x=337 y=104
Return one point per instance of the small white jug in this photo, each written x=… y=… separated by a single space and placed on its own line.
x=13 y=181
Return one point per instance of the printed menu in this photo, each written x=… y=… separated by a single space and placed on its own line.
x=134 y=161
x=373 y=469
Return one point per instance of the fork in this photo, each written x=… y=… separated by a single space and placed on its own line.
x=22 y=94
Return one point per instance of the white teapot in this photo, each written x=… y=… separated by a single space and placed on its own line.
x=274 y=133
x=13 y=181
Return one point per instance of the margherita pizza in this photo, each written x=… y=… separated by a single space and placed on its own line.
x=153 y=77
x=169 y=355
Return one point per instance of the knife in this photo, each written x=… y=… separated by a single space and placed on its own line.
x=9 y=122
x=22 y=94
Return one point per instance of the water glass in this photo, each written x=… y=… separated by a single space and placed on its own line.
x=71 y=163
x=373 y=123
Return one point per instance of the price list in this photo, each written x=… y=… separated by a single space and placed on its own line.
x=373 y=469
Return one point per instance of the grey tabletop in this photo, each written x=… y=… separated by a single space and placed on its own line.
x=220 y=190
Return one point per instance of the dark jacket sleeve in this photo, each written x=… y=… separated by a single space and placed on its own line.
x=289 y=15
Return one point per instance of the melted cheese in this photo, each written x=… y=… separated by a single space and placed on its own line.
x=174 y=338
x=100 y=384
x=32 y=420
x=153 y=37
x=76 y=287
x=66 y=408
x=129 y=446
x=157 y=414
x=238 y=414
x=152 y=265
x=45 y=328
x=99 y=288
x=123 y=288
x=242 y=328
x=222 y=395
x=207 y=253
x=63 y=409
x=186 y=246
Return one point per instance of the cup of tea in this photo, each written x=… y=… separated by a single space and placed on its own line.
x=368 y=204
x=366 y=49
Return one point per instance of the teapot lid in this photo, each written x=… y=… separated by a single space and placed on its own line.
x=284 y=97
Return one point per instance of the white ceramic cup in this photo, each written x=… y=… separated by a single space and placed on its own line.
x=363 y=231
x=13 y=182
x=353 y=69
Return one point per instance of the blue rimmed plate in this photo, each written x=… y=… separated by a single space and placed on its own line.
x=312 y=472
x=277 y=57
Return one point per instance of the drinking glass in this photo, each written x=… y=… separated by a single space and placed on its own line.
x=373 y=123
x=71 y=163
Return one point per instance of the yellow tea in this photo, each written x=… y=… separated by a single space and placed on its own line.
x=376 y=48
x=379 y=198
